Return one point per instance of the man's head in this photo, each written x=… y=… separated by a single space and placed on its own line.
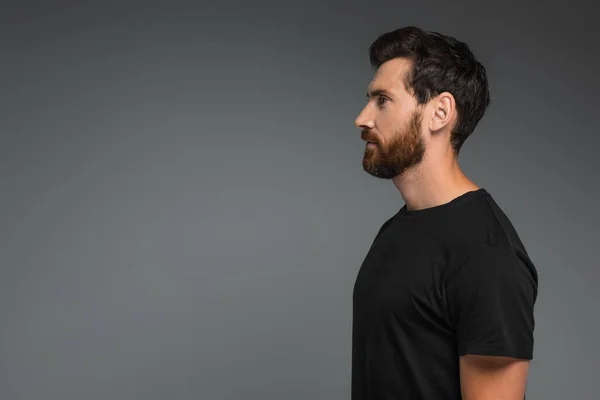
x=428 y=90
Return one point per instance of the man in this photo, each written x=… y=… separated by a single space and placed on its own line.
x=443 y=302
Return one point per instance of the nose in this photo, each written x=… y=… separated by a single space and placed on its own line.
x=364 y=120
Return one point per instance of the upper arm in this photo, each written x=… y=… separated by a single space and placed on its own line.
x=491 y=300
x=491 y=377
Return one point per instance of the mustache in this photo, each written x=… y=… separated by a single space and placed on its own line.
x=368 y=137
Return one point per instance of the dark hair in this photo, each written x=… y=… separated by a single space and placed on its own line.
x=441 y=63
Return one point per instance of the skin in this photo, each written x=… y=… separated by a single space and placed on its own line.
x=410 y=144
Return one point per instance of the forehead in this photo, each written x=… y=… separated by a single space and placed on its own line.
x=391 y=75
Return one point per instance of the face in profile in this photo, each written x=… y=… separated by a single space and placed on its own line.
x=391 y=124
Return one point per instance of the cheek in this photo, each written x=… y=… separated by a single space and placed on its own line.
x=389 y=127
x=388 y=122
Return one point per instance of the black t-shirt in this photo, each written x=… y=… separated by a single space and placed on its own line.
x=436 y=284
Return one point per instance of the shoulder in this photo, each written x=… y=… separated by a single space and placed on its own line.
x=493 y=269
x=479 y=226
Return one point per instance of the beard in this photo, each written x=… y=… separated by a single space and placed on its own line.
x=405 y=150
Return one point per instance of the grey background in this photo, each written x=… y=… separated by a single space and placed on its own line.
x=184 y=209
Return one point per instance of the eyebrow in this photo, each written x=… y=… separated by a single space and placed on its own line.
x=377 y=92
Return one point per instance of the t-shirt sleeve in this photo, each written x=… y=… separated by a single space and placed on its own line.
x=491 y=301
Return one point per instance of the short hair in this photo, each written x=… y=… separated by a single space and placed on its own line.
x=441 y=63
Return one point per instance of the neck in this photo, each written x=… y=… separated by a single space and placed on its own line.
x=435 y=181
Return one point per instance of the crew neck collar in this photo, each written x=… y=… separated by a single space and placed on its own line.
x=434 y=209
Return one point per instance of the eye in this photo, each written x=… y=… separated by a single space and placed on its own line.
x=381 y=100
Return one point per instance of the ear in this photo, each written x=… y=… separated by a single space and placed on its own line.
x=443 y=112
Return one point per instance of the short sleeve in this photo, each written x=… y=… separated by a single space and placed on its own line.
x=491 y=301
